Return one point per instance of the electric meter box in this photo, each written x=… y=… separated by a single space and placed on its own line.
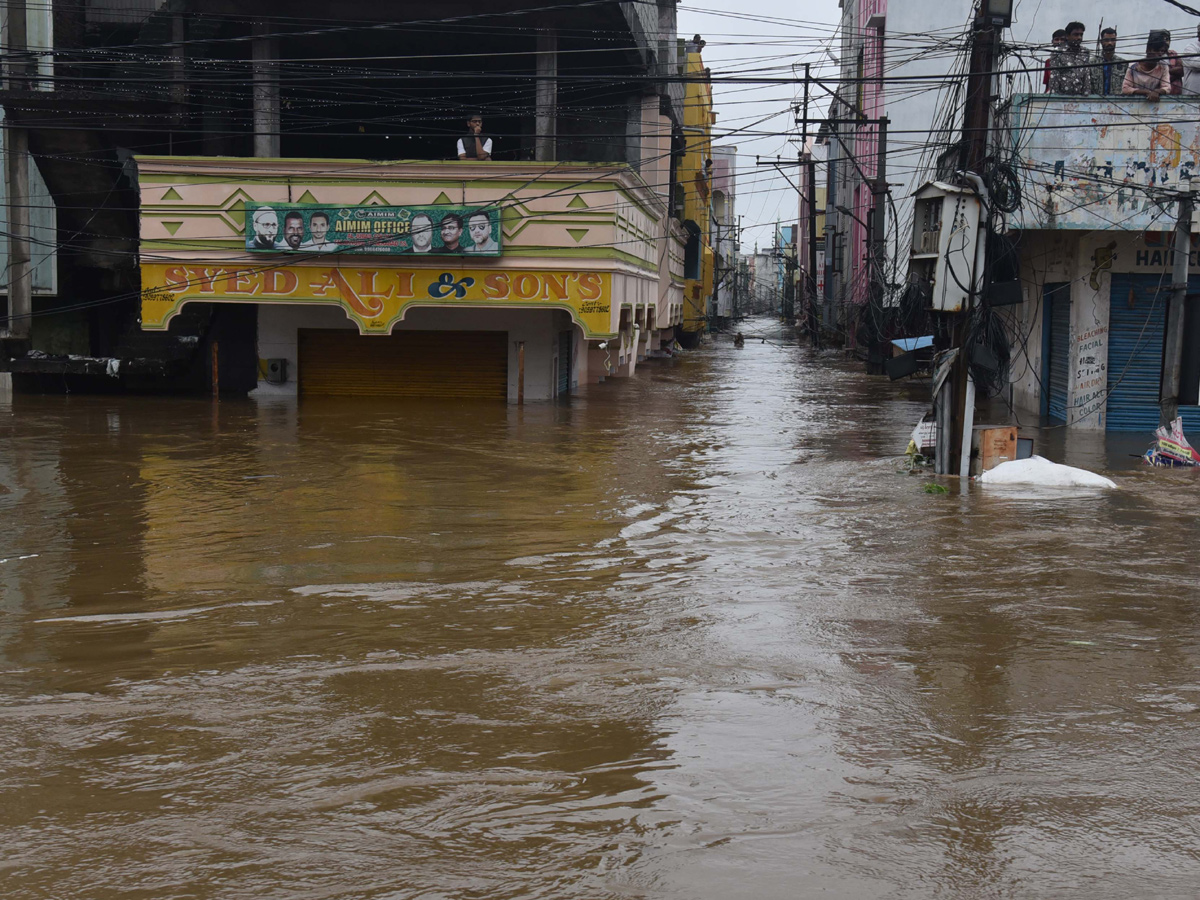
x=276 y=371
x=945 y=231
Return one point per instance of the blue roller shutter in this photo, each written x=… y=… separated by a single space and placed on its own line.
x=1136 y=322
x=1058 y=300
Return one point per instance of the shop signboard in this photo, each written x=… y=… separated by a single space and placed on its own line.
x=312 y=229
x=375 y=298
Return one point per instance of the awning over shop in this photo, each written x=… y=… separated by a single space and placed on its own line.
x=914 y=343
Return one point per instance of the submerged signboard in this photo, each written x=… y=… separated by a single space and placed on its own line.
x=310 y=229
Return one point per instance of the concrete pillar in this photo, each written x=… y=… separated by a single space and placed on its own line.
x=265 y=54
x=600 y=359
x=19 y=69
x=580 y=358
x=631 y=342
x=545 y=149
x=178 y=67
x=655 y=163
x=1087 y=370
x=20 y=273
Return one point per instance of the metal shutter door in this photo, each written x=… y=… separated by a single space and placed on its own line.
x=447 y=364
x=1060 y=352
x=1136 y=322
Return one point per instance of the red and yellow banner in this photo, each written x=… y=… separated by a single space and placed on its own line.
x=376 y=298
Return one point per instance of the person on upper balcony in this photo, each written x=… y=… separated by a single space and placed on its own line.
x=1112 y=67
x=1057 y=41
x=475 y=144
x=1191 y=66
x=1174 y=63
x=1072 y=69
x=1149 y=77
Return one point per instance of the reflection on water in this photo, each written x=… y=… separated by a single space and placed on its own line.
x=684 y=636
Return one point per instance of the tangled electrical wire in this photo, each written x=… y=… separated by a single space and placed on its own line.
x=987 y=348
x=1004 y=186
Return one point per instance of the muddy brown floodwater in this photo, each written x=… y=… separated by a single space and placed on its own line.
x=684 y=636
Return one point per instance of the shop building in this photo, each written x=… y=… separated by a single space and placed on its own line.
x=575 y=265
x=1099 y=178
x=290 y=238
x=726 y=240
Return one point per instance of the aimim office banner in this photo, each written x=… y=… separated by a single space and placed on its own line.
x=388 y=230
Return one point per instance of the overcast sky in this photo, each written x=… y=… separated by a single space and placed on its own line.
x=769 y=35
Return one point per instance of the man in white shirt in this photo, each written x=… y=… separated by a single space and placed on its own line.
x=1190 y=57
x=475 y=144
x=318 y=227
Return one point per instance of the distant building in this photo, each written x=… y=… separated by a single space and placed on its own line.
x=725 y=237
x=765 y=281
x=810 y=245
x=694 y=188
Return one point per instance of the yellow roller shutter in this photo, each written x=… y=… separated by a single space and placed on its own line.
x=405 y=364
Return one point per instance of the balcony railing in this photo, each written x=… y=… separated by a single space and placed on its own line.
x=193 y=208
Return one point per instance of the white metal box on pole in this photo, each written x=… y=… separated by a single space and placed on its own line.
x=945 y=231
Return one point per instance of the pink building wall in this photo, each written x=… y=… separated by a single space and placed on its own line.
x=866 y=143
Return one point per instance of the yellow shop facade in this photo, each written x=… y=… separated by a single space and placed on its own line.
x=576 y=276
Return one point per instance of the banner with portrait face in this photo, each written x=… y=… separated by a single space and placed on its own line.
x=310 y=228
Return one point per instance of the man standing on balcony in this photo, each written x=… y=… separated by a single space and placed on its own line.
x=1112 y=68
x=1072 y=69
x=1191 y=66
x=1174 y=63
x=475 y=144
x=1057 y=41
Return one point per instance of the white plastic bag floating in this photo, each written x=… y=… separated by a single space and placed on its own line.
x=1040 y=471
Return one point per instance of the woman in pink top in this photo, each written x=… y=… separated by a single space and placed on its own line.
x=1149 y=77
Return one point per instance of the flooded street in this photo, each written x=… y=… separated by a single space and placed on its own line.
x=688 y=635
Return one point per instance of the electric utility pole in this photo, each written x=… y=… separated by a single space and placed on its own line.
x=1173 y=350
x=875 y=229
x=976 y=125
